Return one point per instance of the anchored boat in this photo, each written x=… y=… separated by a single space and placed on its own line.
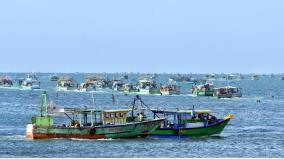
x=227 y=92
x=189 y=123
x=203 y=90
x=170 y=88
x=89 y=123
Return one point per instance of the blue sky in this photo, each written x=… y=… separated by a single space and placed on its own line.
x=142 y=36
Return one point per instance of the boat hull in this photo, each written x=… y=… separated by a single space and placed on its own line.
x=228 y=95
x=203 y=93
x=65 y=89
x=34 y=87
x=191 y=132
x=170 y=92
x=128 y=130
x=149 y=91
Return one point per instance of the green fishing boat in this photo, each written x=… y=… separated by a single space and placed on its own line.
x=148 y=86
x=203 y=90
x=189 y=123
x=88 y=123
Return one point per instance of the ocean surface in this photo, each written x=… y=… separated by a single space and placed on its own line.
x=257 y=130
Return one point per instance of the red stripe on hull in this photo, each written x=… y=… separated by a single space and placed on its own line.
x=77 y=136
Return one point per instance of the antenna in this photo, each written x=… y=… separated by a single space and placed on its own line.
x=93 y=100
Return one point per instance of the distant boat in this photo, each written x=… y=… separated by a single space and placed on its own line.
x=93 y=83
x=30 y=83
x=6 y=81
x=66 y=84
x=118 y=85
x=148 y=86
x=255 y=77
x=189 y=123
x=54 y=78
x=203 y=90
x=183 y=79
x=227 y=92
x=170 y=88
x=130 y=88
x=89 y=123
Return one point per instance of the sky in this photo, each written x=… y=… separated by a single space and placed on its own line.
x=198 y=36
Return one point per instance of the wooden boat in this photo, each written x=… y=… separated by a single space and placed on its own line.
x=89 y=124
x=170 y=88
x=227 y=92
x=148 y=86
x=6 y=82
x=189 y=123
x=66 y=84
x=30 y=83
x=203 y=90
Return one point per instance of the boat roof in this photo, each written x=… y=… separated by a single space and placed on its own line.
x=188 y=111
x=83 y=110
x=226 y=87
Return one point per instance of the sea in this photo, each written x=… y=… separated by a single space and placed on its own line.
x=257 y=129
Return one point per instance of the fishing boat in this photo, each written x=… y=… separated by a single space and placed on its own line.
x=92 y=83
x=203 y=90
x=170 y=88
x=88 y=123
x=66 y=84
x=53 y=78
x=6 y=82
x=210 y=77
x=148 y=86
x=255 y=77
x=130 y=88
x=118 y=85
x=227 y=92
x=30 y=83
x=189 y=123
x=183 y=79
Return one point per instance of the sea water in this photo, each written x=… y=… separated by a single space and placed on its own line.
x=257 y=130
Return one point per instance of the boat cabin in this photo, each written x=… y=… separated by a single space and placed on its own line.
x=185 y=118
x=92 y=117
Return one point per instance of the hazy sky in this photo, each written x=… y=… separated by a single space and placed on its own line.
x=142 y=36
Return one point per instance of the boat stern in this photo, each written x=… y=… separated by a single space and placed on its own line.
x=29 y=131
